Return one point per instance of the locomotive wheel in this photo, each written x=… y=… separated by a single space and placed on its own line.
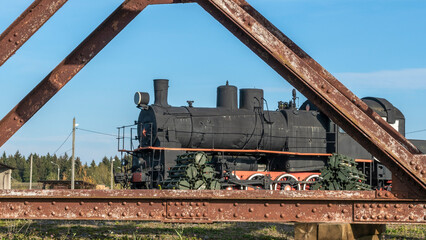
x=312 y=178
x=286 y=186
x=257 y=176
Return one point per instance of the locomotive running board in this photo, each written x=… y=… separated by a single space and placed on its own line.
x=404 y=160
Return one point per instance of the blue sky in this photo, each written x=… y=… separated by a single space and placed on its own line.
x=376 y=48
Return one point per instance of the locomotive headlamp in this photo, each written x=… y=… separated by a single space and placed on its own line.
x=141 y=98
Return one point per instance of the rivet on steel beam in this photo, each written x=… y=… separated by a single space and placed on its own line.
x=282 y=204
x=182 y=214
x=329 y=216
x=386 y=205
x=25 y=213
x=373 y=217
x=81 y=203
x=322 y=86
x=39 y=208
x=418 y=167
x=379 y=217
x=365 y=216
x=314 y=210
x=151 y=203
x=345 y=211
x=110 y=203
x=15 y=34
x=181 y=203
x=297 y=204
x=423 y=171
x=380 y=205
x=11 y=208
x=204 y=214
x=198 y=204
x=81 y=213
x=170 y=214
x=387 y=194
x=380 y=194
x=266 y=204
x=198 y=214
x=170 y=203
x=176 y=203
x=53 y=213
x=282 y=215
x=235 y=204
x=95 y=208
x=412 y=162
x=26 y=203
x=397 y=205
x=67 y=208
x=139 y=214
x=220 y=209
x=53 y=203
x=10 y=40
x=191 y=204
x=424 y=218
x=124 y=203
x=177 y=214
x=358 y=205
x=16 y=43
x=235 y=215
x=205 y=203
x=298 y=215
x=123 y=214
x=163 y=203
x=329 y=90
x=329 y=205
x=251 y=209
x=110 y=214
x=191 y=214
x=357 y=217
x=411 y=206
x=151 y=214
x=411 y=217
x=365 y=205
x=164 y=214
x=424 y=206
x=396 y=217
x=387 y=216
x=266 y=215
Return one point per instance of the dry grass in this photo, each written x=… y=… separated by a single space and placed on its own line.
x=43 y=229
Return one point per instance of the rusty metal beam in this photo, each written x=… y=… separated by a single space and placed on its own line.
x=212 y=206
x=26 y=25
x=72 y=64
x=313 y=81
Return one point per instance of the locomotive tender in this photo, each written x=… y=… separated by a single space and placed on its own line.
x=248 y=146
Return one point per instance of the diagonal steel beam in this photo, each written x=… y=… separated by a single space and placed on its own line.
x=26 y=25
x=72 y=64
x=69 y=67
x=313 y=81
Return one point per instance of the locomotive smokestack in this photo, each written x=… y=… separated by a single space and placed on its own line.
x=161 y=87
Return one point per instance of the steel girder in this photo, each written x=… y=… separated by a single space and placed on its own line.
x=336 y=101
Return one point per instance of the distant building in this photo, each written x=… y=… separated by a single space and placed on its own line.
x=5 y=176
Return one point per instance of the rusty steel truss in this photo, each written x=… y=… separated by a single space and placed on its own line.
x=406 y=202
x=212 y=206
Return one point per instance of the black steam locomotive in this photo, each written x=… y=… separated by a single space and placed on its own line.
x=247 y=146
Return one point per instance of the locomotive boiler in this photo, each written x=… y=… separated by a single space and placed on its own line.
x=246 y=145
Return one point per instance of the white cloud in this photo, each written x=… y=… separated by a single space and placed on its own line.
x=391 y=79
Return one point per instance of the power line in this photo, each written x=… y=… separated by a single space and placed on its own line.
x=63 y=142
x=86 y=130
x=422 y=130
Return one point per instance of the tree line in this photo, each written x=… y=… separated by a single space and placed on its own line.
x=45 y=167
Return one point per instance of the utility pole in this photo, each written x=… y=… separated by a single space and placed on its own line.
x=31 y=171
x=58 y=168
x=112 y=173
x=72 y=156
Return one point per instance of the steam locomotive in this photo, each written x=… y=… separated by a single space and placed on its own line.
x=247 y=146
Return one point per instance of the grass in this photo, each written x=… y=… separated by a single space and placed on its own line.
x=132 y=230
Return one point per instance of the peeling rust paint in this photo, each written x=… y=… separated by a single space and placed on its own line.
x=210 y=206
